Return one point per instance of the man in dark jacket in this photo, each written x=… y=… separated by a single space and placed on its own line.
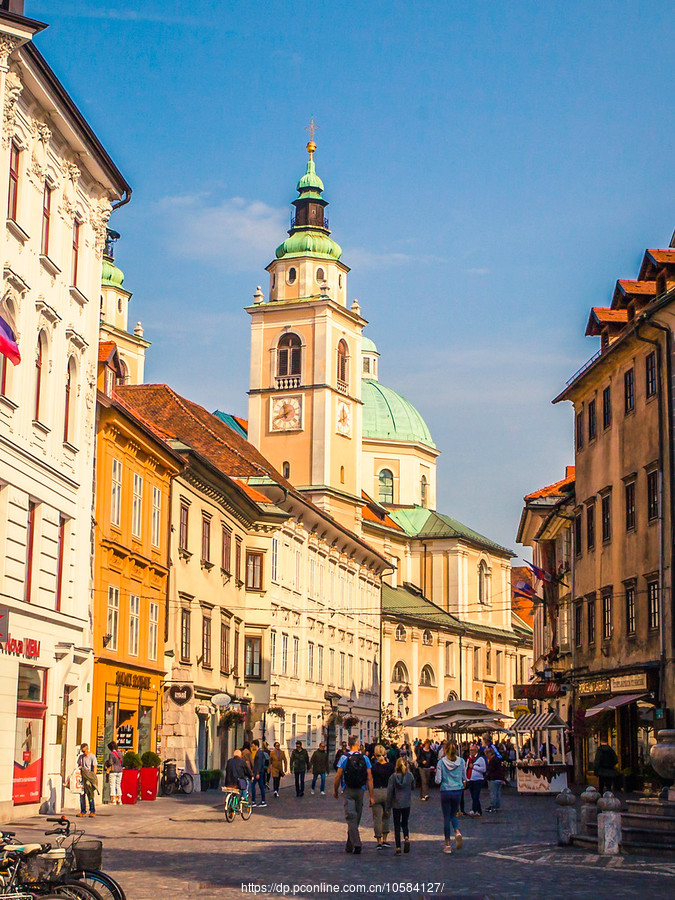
x=341 y=751
x=238 y=773
x=260 y=764
x=426 y=763
x=319 y=764
x=604 y=765
x=299 y=763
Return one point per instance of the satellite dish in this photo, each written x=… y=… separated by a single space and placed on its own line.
x=221 y=699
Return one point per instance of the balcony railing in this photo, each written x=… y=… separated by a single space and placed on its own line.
x=287 y=382
x=585 y=366
x=342 y=387
x=323 y=224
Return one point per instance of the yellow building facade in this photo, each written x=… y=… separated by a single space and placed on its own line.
x=134 y=468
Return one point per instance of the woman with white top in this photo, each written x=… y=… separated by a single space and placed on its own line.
x=451 y=776
x=476 y=768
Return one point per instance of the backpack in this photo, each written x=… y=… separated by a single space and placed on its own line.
x=356 y=771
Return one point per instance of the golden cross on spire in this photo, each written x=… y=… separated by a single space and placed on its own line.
x=311 y=128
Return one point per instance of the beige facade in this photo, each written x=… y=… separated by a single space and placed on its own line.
x=57 y=188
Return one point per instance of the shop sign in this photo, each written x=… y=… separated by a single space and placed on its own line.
x=29 y=648
x=125 y=737
x=133 y=680
x=180 y=694
x=27 y=780
x=541 y=690
x=628 y=683
x=595 y=686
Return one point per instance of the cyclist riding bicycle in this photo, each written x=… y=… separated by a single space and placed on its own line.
x=238 y=773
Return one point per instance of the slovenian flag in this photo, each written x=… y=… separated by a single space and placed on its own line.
x=8 y=344
x=541 y=574
x=523 y=589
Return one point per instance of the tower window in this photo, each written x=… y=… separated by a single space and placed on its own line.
x=342 y=362
x=286 y=470
x=289 y=354
x=320 y=275
x=292 y=275
x=274 y=280
x=386 y=491
x=424 y=490
x=342 y=474
x=340 y=281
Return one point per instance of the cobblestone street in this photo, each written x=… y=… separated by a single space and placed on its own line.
x=183 y=848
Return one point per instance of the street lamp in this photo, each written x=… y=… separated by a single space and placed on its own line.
x=402 y=692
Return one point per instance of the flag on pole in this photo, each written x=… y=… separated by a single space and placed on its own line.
x=8 y=344
x=541 y=574
x=523 y=589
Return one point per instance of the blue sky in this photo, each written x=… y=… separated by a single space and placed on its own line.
x=492 y=168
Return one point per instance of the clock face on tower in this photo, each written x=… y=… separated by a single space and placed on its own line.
x=344 y=418
x=286 y=413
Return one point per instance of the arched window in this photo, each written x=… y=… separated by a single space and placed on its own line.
x=320 y=275
x=452 y=695
x=483 y=582
x=427 y=678
x=289 y=355
x=424 y=484
x=477 y=696
x=292 y=275
x=400 y=674
x=400 y=633
x=40 y=372
x=286 y=470
x=500 y=703
x=69 y=405
x=386 y=492
x=427 y=638
x=342 y=351
x=342 y=474
x=124 y=373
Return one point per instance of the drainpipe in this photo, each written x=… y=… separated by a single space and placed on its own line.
x=659 y=388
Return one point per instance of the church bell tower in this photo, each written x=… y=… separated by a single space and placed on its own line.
x=305 y=381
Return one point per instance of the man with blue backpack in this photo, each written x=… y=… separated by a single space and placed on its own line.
x=353 y=775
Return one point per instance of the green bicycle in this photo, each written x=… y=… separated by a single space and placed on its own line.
x=235 y=803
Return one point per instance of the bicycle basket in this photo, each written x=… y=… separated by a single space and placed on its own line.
x=42 y=866
x=88 y=854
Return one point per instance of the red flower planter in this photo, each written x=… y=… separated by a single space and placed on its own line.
x=149 y=784
x=130 y=780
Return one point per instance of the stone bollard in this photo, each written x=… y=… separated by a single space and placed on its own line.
x=566 y=817
x=589 y=810
x=609 y=825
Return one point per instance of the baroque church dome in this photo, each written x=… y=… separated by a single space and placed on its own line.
x=389 y=416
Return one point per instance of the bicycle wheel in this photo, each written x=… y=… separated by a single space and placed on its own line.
x=108 y=888
x=167 y=787
x=229 y=810
x=186 y=783
x=77 y=890
x=245 y=810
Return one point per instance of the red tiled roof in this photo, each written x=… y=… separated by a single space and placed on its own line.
x=552 y=490
x=253 y=493
x=375 y=512
x=636 y=288
x=601 y=316
x=664 y=257
x=105 y=350
x=655 y=259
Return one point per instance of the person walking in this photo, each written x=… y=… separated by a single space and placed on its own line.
x=341 y=751
x=319 y=764
x=399 y=798
x=299 y=766
x=604 y=765
x=114 y=768
x=475 y=772
x=354 y=775
x=382 y=770
x=426 y=764
x=451 y=777
x=87 y=764
x=495 y=778
x=260 y=761
x=278 y=766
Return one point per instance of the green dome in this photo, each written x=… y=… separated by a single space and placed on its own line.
x=317 y=243
x=310 y=179
x=111 y=275
x=390 y=417
x=368 y=346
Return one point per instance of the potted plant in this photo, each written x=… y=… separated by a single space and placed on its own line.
x=277 y=711
x=216 y=776
x=335 y=718
x=131 y=776
x=150 y=763
x=205 y=779
x=231 y=718
x=350 y=722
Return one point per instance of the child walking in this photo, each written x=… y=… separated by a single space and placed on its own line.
x=399 y=791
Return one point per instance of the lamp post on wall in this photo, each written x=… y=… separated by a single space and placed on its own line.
x=402 y=692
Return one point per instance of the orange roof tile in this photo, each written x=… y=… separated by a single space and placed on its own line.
x=636 y=288
x=601 y=316
x=375 y=512
x=552 y=490
x=105 y=350
x=252 y=492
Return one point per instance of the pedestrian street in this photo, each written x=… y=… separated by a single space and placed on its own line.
x=181 y=847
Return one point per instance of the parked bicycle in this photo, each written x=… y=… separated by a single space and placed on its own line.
x=11 y=863
x=175 y=780
x=236 y=802
x=85 y=858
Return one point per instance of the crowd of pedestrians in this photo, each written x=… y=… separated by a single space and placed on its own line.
x=386 y=777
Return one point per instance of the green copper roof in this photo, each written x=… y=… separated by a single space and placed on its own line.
x=417 y=521
x=310 y=179
x=110 y=274
x=368 y=346
x=389 y=416
x=299 y=243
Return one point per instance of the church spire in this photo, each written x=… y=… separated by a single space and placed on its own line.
x=309 y=231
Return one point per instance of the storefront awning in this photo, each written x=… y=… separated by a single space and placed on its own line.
x=614 y=703
x=538 y=722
